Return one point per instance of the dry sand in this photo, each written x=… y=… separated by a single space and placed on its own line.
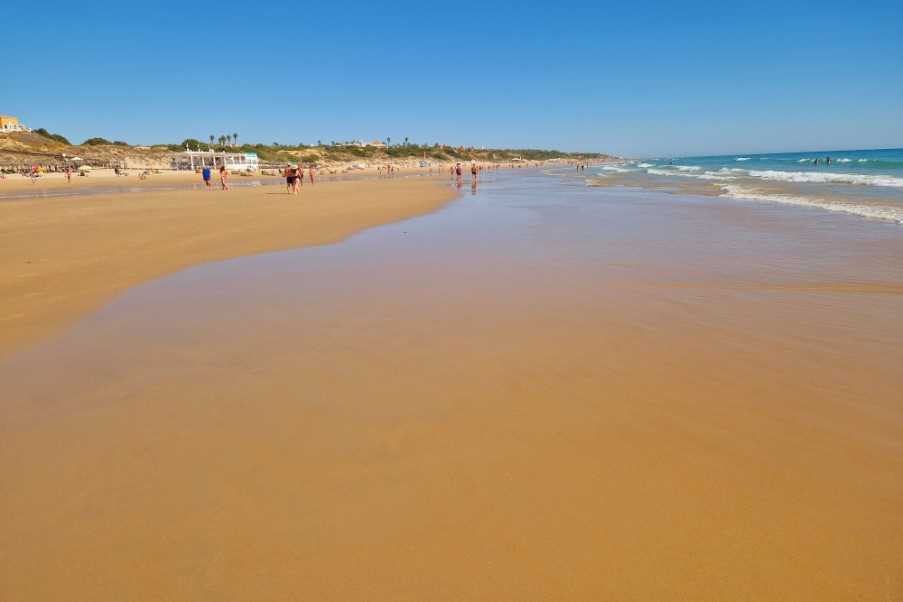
x=62 y=257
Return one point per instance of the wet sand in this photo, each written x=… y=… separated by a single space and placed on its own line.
x=543 y=391
x=62 y=257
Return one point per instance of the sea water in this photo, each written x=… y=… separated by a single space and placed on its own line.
x=867 y=183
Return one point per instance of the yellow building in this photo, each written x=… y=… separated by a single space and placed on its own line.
x=8 y=123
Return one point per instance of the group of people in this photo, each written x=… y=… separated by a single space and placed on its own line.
x=294 y=178
x=206 y=174
x=458 y=171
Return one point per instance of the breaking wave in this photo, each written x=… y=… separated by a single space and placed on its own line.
x=880 y=212
x=699 y=176
x=817 y=177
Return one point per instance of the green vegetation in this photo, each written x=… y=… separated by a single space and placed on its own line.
x=309 y=154
x=193 y=144
x=280 y=153
x=58 y=137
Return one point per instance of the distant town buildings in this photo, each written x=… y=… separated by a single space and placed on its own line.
x=362 y=144
x=8 y=123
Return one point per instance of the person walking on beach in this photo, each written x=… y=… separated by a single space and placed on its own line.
x=310 y=174
x=205 y=175
x=223 y=177
x=289 y=179
x=68 y=174
x=458 y=172
x=473 y=172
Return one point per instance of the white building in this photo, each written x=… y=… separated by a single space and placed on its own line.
x=8 y=123
x=192 y=160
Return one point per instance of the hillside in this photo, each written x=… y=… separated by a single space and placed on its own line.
x=18 y=149
x=22 y=149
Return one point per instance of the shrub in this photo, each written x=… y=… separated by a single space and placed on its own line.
x=46 y=134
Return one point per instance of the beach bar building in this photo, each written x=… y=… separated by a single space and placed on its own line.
x=198 y=159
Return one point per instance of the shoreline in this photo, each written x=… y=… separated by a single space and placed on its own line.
x=61 y=260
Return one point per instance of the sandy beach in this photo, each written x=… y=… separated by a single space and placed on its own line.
x=531 y=394
x=61 y=257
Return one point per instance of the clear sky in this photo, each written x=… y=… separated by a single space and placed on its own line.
x=644 y=78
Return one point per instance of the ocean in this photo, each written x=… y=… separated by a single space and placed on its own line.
x=866 y=183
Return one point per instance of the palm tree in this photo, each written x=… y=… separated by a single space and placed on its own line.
x=388 y=141
x=222 y=140
x=211 y=140
x=229 y=139
x=405 y=140
x=235 y=139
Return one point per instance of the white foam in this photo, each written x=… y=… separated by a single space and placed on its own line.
x=742 y=158
x=679 y=167
x=699 y=176
x=844 y=160
x=617 y=169
x=881 y=212
x=818 y=177
x=644 y=165
x=664 y=172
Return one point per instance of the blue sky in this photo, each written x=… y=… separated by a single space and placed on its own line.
x=639 y=79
